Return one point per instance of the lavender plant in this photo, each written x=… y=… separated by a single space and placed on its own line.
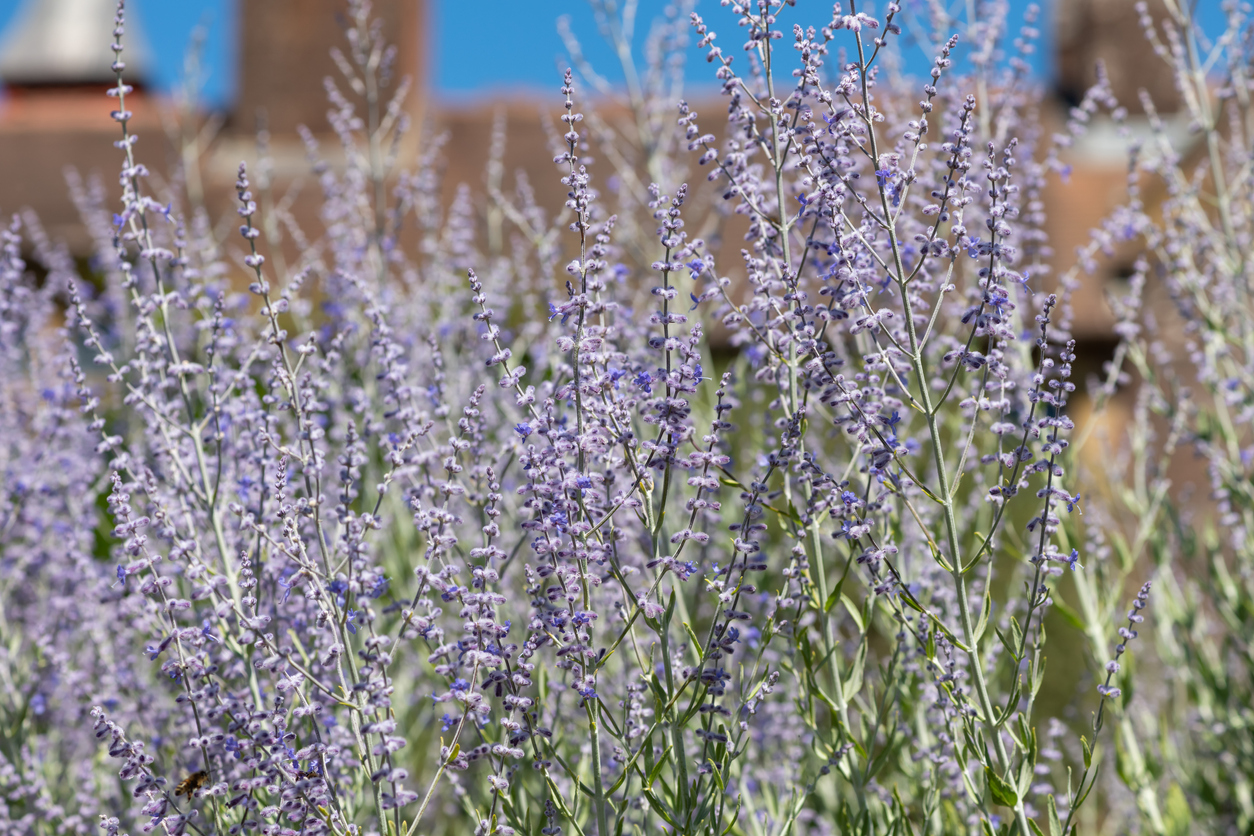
x=1181 y=500
x=412 y=537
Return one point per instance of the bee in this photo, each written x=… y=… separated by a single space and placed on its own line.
x=191 y=783
x=309 y=774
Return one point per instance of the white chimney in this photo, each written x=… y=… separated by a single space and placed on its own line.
x=55 y=42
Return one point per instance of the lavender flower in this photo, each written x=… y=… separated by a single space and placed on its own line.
x=408 y=533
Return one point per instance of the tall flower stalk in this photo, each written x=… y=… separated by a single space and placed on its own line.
x=711 y=509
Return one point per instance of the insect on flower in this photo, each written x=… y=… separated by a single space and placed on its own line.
x=191 y=783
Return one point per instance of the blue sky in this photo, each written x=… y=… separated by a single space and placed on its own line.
x=480 y=46
x=524 y=36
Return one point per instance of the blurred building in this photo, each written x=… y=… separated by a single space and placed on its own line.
x=1109 y=34
x=54 y=61
x=1087 y=32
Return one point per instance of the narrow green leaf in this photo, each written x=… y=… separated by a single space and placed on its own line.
x=853 y=612
x=1179 y=817
x=854 y=683
x=1038 y=675
x=1002 y=792
x=657 y=769
x=903 y=813
x=692 y=636
x=1026 y=774
x=718 y=778
x=1055 y=825
x=834 y=595
x=659 y=808
x=659 y=690
x=735 y=817
x=985 y=608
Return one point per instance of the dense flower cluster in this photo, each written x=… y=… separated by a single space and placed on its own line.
x=684 y=508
